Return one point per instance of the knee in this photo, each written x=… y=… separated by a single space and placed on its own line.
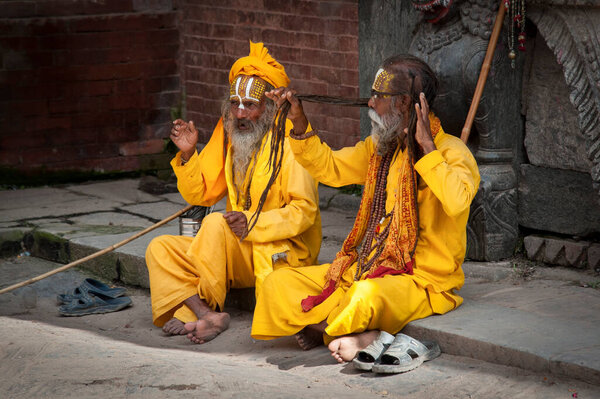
x=274 y=282
x=363 y=292
x=213 y=222
x=156 y=249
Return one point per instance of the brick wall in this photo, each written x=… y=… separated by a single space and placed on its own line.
x=316 y=41
x=86 y=85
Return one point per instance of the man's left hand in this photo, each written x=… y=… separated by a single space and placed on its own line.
x=423 y=133
x=237 y=222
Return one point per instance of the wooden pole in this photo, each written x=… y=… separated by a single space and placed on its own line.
x=485 y=69
x=96 y=254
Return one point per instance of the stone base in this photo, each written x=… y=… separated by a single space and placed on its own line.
x=563 y=252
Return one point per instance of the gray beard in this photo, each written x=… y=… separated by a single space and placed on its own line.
x=245 y=144
x=384 y=130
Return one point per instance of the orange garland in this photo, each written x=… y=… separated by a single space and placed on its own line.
x=397 y=256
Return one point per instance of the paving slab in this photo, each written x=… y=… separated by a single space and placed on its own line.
x=124 y=191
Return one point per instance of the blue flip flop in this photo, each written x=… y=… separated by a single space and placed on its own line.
x=92 y=286
x=87 y=303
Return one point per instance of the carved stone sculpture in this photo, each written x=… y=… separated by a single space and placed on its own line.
x=454 y=43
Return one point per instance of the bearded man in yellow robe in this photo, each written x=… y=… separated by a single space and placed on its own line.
x=190 y=277
x=402 y=260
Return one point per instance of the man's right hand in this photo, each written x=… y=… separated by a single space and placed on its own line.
x=296 y=113
x=185 y=137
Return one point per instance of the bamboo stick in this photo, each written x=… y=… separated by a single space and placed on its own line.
x=96 y=254
x=485 y=69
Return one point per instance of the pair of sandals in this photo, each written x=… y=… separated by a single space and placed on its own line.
x=92 y=297
x=390 y=354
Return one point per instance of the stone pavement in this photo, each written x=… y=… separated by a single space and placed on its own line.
x=515 y=313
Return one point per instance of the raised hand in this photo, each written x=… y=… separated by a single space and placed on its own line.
x=185 y=137
x=423 y=133
x=296 y=113
x=237 y=222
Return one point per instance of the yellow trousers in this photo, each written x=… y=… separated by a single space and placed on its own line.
x=209 y=265
x=387 y=303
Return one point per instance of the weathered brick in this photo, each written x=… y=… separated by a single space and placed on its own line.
x=141 y=147
x=593 y=257
x=18 y=9
x=81 y=7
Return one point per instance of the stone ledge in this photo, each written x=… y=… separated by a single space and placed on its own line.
x=563 y=252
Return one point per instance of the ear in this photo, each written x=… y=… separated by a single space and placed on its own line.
x=403 y=103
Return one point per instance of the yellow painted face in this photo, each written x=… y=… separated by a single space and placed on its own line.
x=247 y=88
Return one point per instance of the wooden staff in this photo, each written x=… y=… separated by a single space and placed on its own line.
x=96 y=254
x=485 y=69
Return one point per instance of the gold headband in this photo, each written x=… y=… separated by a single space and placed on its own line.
x=247 y=88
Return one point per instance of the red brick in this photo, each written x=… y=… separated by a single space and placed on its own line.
x=81 y=7
x=76 y=105
x=249 y=17
x=273 y=20
x=10 y=158
x=27 y=107
x=18 y=9
x=305 y=40
x=278 y=5
x=158 y=131
x=126 y=22
x=341 y=27
x=48 y=26
x=46 y=91
x=20 y=43
x=195 y=28
x=328 y=75
x=141 y=147
x=245 y=33
x=20 y=141
x=74 y=136
x=116 y=134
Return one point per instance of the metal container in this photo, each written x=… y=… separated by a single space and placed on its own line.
x=190 y=222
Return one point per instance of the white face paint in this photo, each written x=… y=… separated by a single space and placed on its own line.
x=246 y=88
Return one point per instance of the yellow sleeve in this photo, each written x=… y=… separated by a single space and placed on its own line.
x=451 y=173
x=201 y=181
x=300 y=204
x=334 y=168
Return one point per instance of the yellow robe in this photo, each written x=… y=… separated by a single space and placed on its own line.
x=448 y=181
x=215 y=261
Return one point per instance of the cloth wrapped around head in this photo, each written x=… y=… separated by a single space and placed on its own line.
x=260 y=63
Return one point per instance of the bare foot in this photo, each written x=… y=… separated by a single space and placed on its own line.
x=208 y=327
x=344 y=349
x=174 y=327
x=309 y=338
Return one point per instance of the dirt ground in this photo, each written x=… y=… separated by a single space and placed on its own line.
x=122 y=354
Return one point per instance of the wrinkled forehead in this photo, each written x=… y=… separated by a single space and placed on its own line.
x=383 y=81
x=247 y=88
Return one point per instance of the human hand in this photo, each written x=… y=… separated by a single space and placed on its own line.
x=237 y=222
x=296 y=112
x=185 y=137
x=423 y=133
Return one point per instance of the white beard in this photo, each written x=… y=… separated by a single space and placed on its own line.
x=384 y=130
x=245 y=144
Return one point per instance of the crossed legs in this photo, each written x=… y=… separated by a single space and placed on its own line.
x=190 y=277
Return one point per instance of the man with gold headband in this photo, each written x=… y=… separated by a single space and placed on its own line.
x=190 y=277
x=402 y=259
